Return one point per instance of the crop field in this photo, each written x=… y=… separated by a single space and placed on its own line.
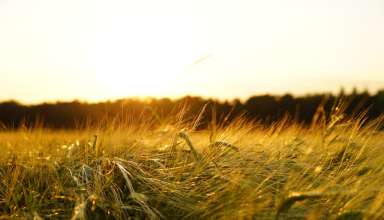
x=332 y=169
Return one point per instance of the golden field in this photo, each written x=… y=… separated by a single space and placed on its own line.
x=332 y=169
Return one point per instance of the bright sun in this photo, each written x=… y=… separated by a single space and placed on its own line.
x=138 y=76
x=132 y=60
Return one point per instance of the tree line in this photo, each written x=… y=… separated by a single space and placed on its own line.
x=262 y=108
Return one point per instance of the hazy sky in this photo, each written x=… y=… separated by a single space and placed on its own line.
x=95 y=50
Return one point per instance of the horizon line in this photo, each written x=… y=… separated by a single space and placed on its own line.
x=173 y=98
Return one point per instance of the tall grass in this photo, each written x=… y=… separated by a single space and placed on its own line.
x=333 y=169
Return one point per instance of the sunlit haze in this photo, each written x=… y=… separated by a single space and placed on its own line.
x=96 y=50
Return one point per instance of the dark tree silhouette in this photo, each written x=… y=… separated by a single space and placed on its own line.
x=264 y=108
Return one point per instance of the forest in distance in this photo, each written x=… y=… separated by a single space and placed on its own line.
x=265 y=109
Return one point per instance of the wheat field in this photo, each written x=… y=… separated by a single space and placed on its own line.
x=332 y=169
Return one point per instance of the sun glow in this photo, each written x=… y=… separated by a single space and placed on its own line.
x=131 y=60
x=96 y=50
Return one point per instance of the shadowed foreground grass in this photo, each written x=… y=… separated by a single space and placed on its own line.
x=332 y=170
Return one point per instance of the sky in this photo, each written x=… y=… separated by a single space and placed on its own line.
x=94 y=50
